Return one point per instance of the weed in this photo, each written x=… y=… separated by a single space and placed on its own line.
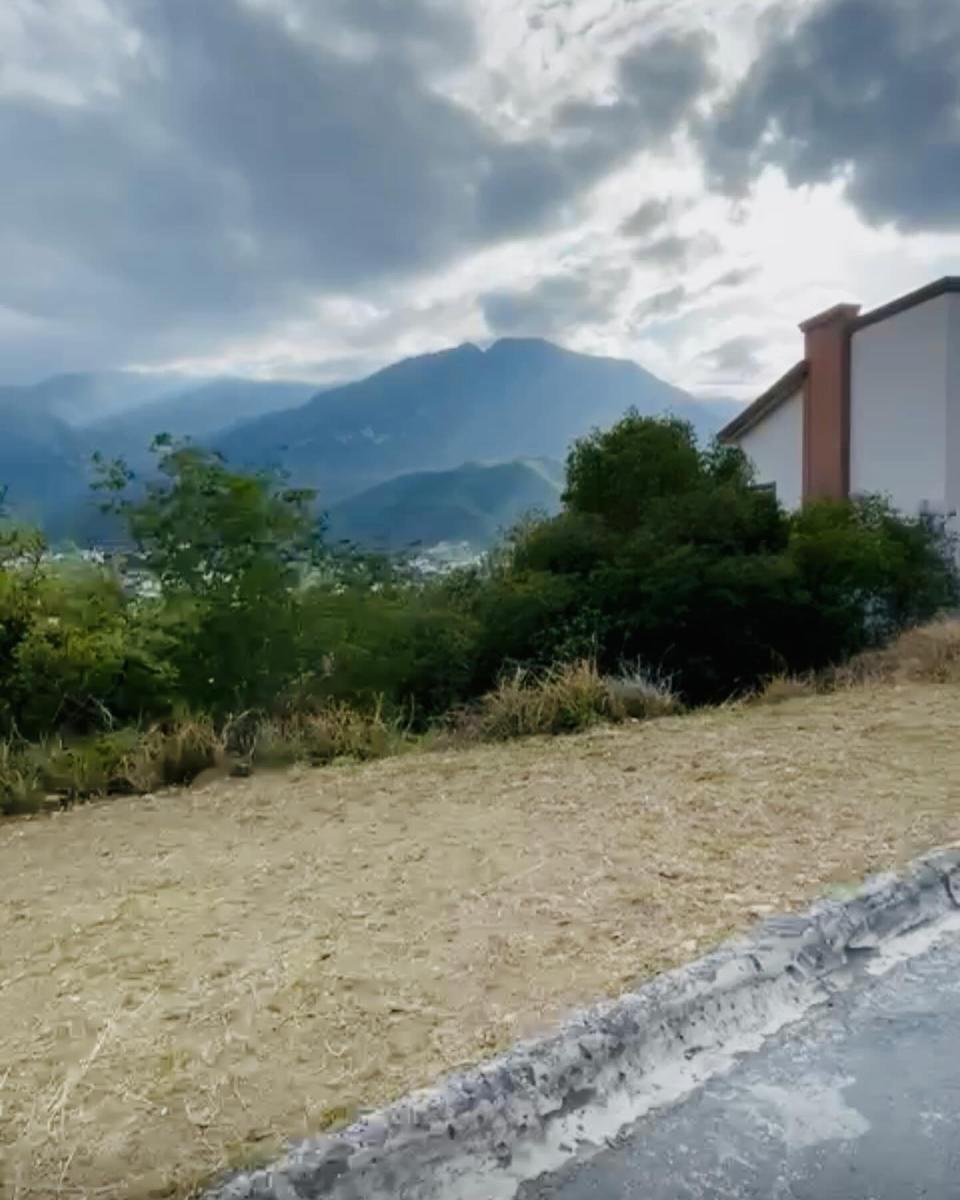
x=640 y=693
x=785 y=687
x=21 y=790
x=561 y=700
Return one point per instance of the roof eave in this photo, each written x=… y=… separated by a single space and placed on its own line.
x=785 y=387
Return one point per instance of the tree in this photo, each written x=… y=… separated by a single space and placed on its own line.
x=668 y=553
x=229 y=550
x=616 y=473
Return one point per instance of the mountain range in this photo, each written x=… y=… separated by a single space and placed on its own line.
x=449 y=446
x=521 y=398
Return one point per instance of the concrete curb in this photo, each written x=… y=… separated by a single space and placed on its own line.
x=479 y=1134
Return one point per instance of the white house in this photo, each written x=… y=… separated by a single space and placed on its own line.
x=873 y=406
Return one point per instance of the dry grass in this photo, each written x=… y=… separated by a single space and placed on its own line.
x=135 y=761
x=638 y=693
x=189 y=978
x=786 y=687
x=564 y=699
x=928 y=654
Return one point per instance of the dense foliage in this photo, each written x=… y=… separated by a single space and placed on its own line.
x=665 y=555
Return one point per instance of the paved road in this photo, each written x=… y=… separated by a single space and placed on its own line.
x=859 y=1102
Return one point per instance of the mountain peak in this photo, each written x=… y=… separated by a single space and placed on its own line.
x=521 y=398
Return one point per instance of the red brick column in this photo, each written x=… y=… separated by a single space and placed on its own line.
x=826 y=404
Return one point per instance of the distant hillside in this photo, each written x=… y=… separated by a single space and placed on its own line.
x=84 y=398
x=473 y=503
x=521 y=398
x=49 y=430
x=196 y=412
x=42 y=463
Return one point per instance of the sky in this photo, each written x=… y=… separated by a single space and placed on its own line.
x=314 y=188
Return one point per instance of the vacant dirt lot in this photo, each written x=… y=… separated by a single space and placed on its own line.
x=186 y=980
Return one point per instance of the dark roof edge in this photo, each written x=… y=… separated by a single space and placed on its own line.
x=785 y=387
x=940 y=287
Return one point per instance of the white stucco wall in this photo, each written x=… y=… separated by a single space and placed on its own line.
x=953 y=407
x=898 y=407
x=775 y=447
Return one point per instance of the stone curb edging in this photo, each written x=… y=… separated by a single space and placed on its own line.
x=478 y=1134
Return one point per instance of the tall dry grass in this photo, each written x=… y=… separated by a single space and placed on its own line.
x=568 y=698
x=181 y=751
x=928 y=654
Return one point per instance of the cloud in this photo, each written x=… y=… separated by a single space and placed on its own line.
x=734 y=278
x=661 y=304
x=555 y=304
x=865 y=91
x=657 y=84
x=675 y=251
x=236 y=160
x=649 y=216
x=735 y=359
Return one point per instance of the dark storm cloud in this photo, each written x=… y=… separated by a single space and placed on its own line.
x=864 y=89
x=657 y=83
x=252 y=156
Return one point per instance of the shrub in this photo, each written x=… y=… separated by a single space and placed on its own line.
x=560 y=700
x=21 y=790
x=184 y=748
x=90 y=659
x=667 y=554
x=402 y=645
x=334 y=730
x=639 y=693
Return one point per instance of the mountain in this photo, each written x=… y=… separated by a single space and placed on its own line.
x=49 y=430
x=195 y=412
x=83 y=398
x=521 y=398
x=473 y=503
x=42 y=464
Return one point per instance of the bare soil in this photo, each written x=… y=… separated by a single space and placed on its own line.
x=188 y=979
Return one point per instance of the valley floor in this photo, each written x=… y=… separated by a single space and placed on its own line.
x=190 y=978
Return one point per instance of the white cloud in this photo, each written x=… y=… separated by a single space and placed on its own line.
x=317 y=190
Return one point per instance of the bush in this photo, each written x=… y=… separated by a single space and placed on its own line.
x=638 y=693
x=20 y=788
x=668 y=554
x=402 y=645
x=561 y=700
x=88 y=657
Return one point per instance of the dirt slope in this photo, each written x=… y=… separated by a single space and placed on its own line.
x=189 y=978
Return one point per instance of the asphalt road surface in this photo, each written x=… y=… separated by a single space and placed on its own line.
x=860 y=1101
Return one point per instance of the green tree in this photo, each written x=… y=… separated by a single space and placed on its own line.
x=229 y=550
x=616 y=474
x=668 y=553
